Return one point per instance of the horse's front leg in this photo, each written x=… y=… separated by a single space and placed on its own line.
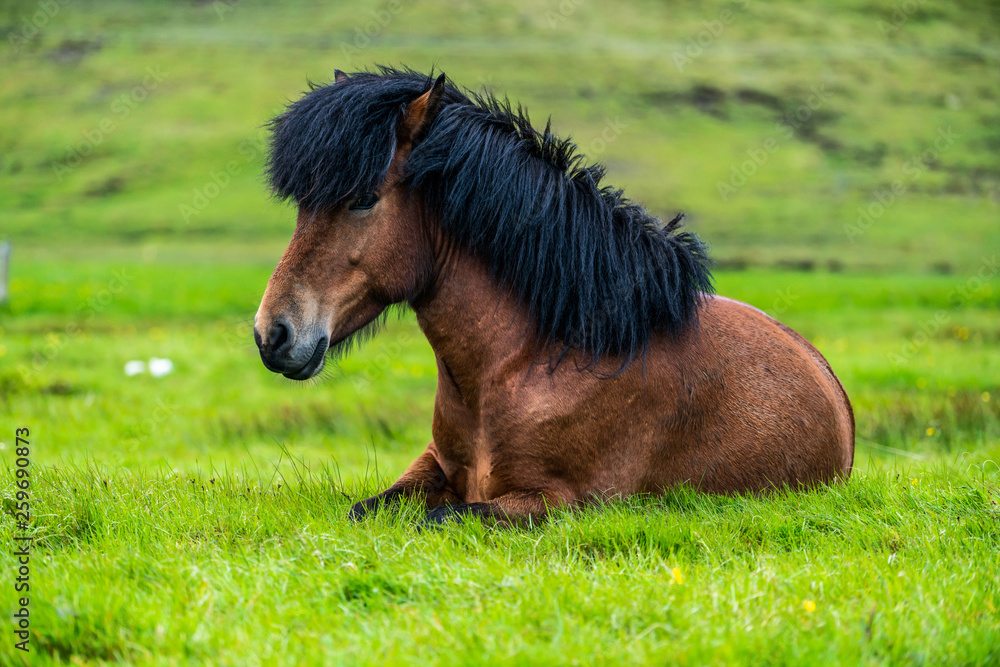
x=520 y=508
x=423 y=477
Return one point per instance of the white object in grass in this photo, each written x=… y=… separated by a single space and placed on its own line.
x=135 y=367
x=160 y=367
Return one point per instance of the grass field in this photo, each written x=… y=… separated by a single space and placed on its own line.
x=200 y=518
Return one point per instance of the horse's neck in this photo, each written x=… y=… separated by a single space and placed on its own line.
x=472 y=323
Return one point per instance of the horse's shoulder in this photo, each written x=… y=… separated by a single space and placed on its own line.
x=727 y=306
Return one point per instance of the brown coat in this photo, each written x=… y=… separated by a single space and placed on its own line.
x=736 y=403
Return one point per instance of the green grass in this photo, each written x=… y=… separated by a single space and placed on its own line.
x=200 y=518
x=233 y=569
x=221 y=402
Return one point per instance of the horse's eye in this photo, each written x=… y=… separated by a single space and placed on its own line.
x=364 y=201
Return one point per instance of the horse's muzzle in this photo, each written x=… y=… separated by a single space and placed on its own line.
x=296 y=355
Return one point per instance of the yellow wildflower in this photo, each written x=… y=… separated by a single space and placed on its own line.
x=676 y=574
x=809 y=606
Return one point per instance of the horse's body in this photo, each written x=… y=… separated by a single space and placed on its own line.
x=529 y=415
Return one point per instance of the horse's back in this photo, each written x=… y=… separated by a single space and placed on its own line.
x=755 y=405
x=736 y=403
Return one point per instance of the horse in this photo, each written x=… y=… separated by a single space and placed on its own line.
x=581 y=351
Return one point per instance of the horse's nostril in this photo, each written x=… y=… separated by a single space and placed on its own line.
x=280 y=337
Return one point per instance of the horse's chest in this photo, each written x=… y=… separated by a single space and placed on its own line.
x=508 y=443
x=467 y=458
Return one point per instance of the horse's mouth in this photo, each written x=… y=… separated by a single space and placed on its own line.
x=313 y=365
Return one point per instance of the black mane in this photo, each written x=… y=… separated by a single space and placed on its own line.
x=596 y=271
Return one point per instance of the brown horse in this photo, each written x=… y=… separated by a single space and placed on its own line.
x=580 y=352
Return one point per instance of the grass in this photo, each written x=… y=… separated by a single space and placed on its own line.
x=233 y=569
x=221 y=402
x=200 y=518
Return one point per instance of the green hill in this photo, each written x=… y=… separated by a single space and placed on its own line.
x=792 y=133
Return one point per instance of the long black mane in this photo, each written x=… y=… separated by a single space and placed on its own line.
x=596 y=271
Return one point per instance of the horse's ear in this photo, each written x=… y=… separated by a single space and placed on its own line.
x=420 y=113
x=338 y=76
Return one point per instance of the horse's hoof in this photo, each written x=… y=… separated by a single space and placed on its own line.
x=437 y=517
x=359 y=511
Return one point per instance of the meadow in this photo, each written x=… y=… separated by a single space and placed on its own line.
x=842 y=161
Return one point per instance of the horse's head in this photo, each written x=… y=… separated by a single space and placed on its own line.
x=345 y=265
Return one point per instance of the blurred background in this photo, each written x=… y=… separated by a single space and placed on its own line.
x=842 y=160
